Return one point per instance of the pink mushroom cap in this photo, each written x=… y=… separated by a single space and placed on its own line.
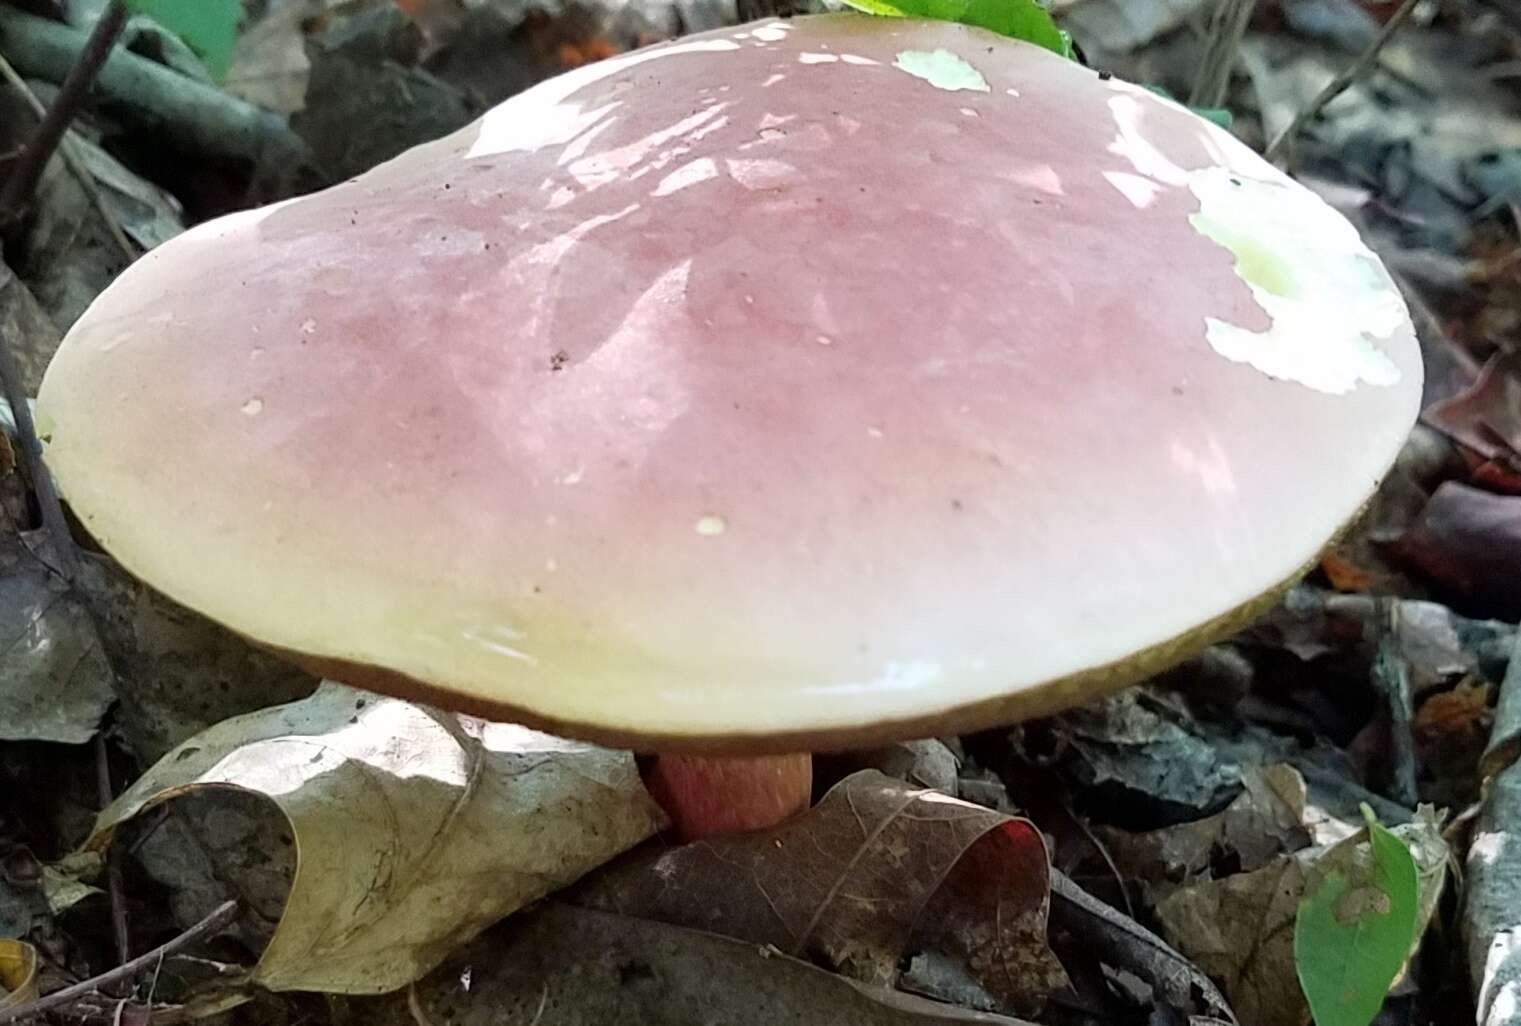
x=792 y=386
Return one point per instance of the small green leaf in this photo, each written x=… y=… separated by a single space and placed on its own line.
x=1017 y=19
x=209 y=27
x=1219 y=115
x=1354 y=928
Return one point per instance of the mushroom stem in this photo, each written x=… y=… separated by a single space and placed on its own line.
x=713 y=796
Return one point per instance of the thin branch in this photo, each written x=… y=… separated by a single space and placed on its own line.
x=1391 y=676
x=224 y=914
x=42 y=481
x=1339 y=84
x=114 y=884
x=17 y=189
x=71 y=158
x=1226 y=28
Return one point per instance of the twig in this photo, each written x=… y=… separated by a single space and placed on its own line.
x=220 y=917
x=70 y=154
x=1391 y=676
x=200 y=119
x=1338 y=85
x=1227 y=26
x=114 y=884
x=17 y=189
x=42 y=482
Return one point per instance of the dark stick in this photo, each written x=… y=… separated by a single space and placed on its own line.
x=42 y=482
x=1227 y=27
x=1339 y=84
x=114 y=883
x=20 y=183
x=224 y=914
x=1391 y=676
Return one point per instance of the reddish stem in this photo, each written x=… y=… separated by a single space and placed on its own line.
x=714 y=796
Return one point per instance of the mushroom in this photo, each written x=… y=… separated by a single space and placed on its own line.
x=791 y=387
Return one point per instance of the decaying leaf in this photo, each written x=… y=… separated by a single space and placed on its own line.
x=269 y=62
x=414 y=829
x=1122 y=945
x=560 y=965
x=25 y=329
x=1241 y=929
x=69 y=256
x=54 y=681
x=1266 y=820
x=875 y=871
x=1147 y=757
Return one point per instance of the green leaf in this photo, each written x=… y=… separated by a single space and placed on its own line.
x=1017 y=19
x=1219 y=115
x=1355 y=927
x=209 y=27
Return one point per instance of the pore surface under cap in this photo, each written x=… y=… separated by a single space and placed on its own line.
x=799 y=383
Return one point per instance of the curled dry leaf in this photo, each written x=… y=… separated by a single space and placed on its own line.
x=1241 y=929
x=18 y=973
x=414 y=829
x=559 y=965
x=1120 y=943
x=1486 y=417
x=875 y=871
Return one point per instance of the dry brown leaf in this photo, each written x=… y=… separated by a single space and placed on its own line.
x=1266 y=820
x=874 y=871
x=1486 y=417
x=559 y=965
x=414 y=829
x=1451 y=717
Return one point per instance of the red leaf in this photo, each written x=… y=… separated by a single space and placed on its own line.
x=1468 y=542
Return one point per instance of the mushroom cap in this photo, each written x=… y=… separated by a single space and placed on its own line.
x=801 y=384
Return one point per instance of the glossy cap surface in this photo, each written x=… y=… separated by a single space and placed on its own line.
x=796 y=384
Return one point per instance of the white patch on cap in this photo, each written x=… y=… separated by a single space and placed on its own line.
x=942 y=69
x=549 y=114
x=692 y=173
x=1323 y=289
